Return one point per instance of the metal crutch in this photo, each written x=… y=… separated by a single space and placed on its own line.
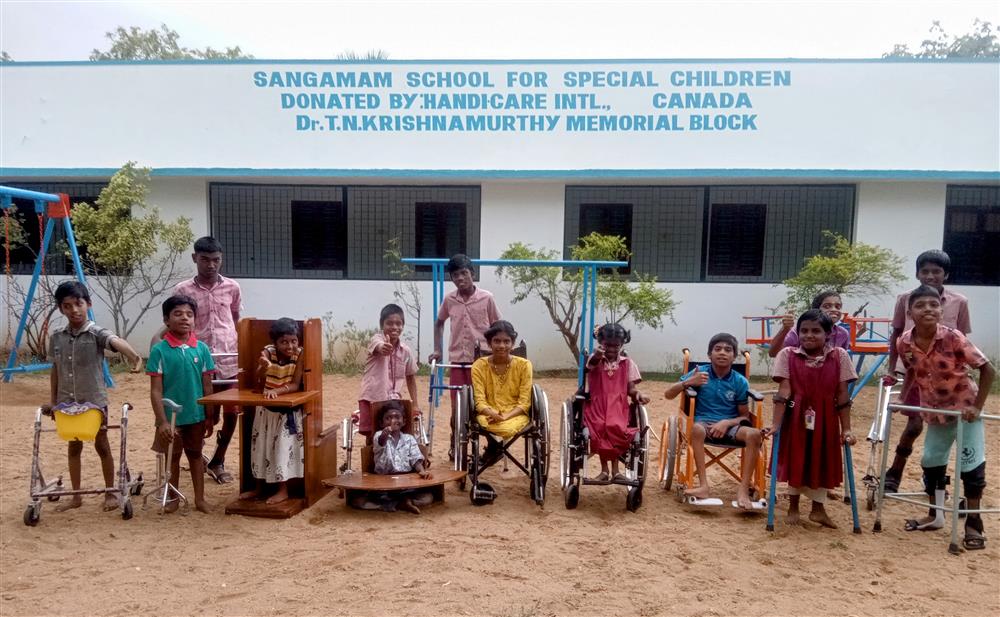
x=166 y=491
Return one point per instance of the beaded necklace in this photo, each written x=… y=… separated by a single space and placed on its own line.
x=501 y=378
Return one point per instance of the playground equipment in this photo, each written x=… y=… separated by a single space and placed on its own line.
x=55 y=208
x=955 y=507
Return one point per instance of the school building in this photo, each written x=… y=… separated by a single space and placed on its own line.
x=722 y=175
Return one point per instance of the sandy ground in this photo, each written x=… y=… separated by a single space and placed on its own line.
x=512 y=558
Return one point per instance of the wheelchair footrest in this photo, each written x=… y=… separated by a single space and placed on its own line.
x=760 y=504
x=709 y=501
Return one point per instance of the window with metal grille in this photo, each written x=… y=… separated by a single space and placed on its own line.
x=972 y=233
x=440 y=230
x=319 y=235
x=608 y=220
x=736 y=239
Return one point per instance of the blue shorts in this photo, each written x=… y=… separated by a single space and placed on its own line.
x=940 y=438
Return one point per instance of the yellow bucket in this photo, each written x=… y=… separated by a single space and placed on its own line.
x=82 y=426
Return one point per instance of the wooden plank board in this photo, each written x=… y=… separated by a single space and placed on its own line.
x=259 y=508
x=398 y=482
x=247 y=398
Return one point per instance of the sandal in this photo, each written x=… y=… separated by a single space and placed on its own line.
x=977 y=540
x=913 y=524
x=602 y=478
x=620 y=478
x=219 y=474
x=891 y=483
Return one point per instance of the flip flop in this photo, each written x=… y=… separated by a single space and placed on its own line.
x=620 y=478
x=913 y=524
x=974 y=542
x=602 y=478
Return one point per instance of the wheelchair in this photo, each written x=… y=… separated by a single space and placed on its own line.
x=677 y=465
x=535 y=435
x=575 y=448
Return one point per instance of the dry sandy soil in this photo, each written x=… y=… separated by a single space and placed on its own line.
x=512 y=558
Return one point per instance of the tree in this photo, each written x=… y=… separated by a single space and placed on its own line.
x=981 y=42
x=858 y=270
x=560 y=291
x=407 y=290
x=130 y=249
x=138 y=44
x=372 y=54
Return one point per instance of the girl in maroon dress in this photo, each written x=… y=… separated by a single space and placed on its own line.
x=812 y=410
x=612 y=378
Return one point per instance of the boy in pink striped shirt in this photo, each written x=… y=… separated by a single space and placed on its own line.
x=390 y=362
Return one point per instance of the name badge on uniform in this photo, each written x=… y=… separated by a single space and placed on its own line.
x=810 y=417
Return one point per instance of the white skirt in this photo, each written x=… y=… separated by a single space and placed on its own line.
x=276 y=454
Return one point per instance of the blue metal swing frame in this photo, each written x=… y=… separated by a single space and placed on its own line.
x=7 y=195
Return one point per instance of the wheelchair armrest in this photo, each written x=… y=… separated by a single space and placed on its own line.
x=691 y=392
x=755 y=395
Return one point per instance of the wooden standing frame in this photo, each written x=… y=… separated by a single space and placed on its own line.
x=319 y=448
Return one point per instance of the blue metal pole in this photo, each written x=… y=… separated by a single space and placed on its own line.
x=774 y=480
x=849 y=461
x=46 y=238
x=71 y=239
x=584 y=332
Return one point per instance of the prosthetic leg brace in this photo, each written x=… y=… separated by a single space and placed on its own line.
x=935 y=484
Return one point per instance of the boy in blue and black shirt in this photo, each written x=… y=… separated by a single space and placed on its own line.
x=180 y=369
x=721 y=414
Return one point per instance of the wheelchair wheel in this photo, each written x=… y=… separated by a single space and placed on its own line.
x=571 y=497
x=460 y=435
x=634 y=498
x=32 y=514
x=670 y=463
x=482 y=494
x=540 y=400
x=640 y=452
x=127 y=510
x=565 y=441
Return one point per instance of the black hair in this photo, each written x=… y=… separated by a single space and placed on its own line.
x=936 y=257
x=816 y=315
x=613 y=332
x=823 y=295
x=459 y=262
x=178 y=300
x=72 y=289
x=391 y=405
x=924 y=291
x=723 y=337
x=282 y=327
x=389 y=310
x=207 y=244
x=501 y=326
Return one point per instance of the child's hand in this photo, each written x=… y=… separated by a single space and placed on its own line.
x=434 y=357
x=209 y=427
x=697 y=380
x=384 y=349
x=971 y=413
x=848 y=438
x=641 y=398
x=787 y=322
x=889 y=380
x=767 y=431
x=270 y=394
x=136 y=366
x=424 y=472
x=718 y=429
x=263 y=362
x=165 y=433
x=598 y=352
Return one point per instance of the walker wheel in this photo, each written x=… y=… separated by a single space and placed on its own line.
x=53 y=497
x=136 y=488
x=32 y=514
x=127 y=510
x=870 y=498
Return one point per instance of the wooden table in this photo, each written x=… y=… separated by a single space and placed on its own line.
x=356 y=482
x=251 y=398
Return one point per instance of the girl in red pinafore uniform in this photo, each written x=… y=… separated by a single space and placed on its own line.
x=812 y=412
x=612 y=379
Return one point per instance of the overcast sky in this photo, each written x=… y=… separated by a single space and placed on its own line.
x=53 y=30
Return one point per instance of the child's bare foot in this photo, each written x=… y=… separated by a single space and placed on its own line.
x=793 y=518
x=743 y=499
x=409 y=506
x=75 y=502
x=251 y=494
x=202 y=506
x=281 y=495
x=700 y=492
x=110 y=503
x=819 y=515
x=832 y=495
x=172 y=506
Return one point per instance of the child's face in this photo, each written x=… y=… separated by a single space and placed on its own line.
x=501 y=344
x=926 y=311
x=833 y=307
x=463 y=280
x=722 y=355
x=392 y=421
x=208 y=264
x=287 y=345
x=75 y=310
x=812 y=336
x=933 y=275
x=612 y=348
x=180 y=321
x=392 y=327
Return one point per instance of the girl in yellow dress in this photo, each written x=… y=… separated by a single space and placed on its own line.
x=501 y=385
